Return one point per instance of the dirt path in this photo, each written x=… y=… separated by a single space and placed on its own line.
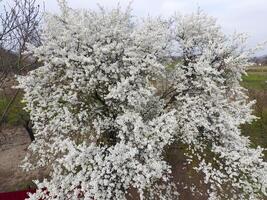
x=13 y=147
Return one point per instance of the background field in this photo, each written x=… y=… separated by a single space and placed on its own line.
x=256 y=83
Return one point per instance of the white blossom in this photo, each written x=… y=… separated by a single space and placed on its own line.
x=103 y=119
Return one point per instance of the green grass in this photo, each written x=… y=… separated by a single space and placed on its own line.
x=256 y=83
x=257 y=130
x=16 y=113
x=255 y=80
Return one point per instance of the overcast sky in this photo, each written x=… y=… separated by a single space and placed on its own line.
x=248 y=16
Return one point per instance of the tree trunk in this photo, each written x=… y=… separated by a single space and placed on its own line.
x=28 y=127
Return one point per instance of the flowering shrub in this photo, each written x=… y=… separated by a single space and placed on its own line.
x=102 y=119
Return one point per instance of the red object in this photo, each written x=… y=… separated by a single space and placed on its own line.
x=20 y=195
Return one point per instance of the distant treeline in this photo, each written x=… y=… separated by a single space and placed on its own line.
x=261 y=60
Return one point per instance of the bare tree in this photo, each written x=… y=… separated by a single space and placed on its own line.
x=19 y=24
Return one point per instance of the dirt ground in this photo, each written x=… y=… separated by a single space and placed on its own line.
x=13 y=146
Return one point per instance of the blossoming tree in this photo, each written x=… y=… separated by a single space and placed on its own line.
x=102 y=121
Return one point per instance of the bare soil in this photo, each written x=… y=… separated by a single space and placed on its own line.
x=13 y=147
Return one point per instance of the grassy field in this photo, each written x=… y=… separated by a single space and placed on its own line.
x=256 y=83
x=255 y=80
